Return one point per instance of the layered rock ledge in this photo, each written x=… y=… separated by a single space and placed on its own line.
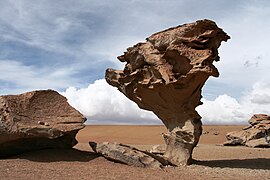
x=257 y=134
x=37 y=120
x=165 y=75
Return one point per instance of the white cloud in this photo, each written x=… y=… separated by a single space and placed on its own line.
x=261 y=98
x=102 y=104
x=228 y=110
x=223 y=110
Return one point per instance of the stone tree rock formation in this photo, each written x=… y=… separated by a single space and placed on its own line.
x=257 y=134
x=165 y=75
x=37 y=120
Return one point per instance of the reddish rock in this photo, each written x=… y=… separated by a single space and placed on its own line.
x=128 y=155
x=158 y=149
x=259 y=119
x=257 y=143
x=165 y=75
x=37 y=120
x=255 y=135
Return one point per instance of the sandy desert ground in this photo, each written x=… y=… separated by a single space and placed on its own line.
x=213 y=161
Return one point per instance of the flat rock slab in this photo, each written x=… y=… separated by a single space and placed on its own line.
x=128 y=155
x=37 y=120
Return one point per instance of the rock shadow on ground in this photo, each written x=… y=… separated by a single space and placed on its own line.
x=55 y=155
x=258 y=163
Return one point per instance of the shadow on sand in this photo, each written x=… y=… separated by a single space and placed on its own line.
x=260 y=163
x=54 y=155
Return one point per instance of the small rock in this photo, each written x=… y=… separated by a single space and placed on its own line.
x=41 y=123
x=206 y=132
x=216 y=133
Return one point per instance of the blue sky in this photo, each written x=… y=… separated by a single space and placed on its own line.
x=66 y=45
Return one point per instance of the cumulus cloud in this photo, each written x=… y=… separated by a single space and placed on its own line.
x=102 y=104
x=261 y=99
x=223 y=110
x=230 y=110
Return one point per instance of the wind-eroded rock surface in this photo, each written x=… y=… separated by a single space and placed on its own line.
x=128 y=155
x=165 y=75
x=257 y=134
x=37 y=120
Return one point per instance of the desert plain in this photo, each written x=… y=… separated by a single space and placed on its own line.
x=213 y=161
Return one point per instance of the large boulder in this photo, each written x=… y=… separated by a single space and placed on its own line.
x=37 y=120
x=165 y=75
x=255 y=135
